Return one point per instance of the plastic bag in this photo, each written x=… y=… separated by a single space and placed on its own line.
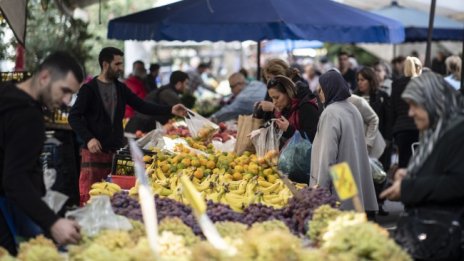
x=98 y=215
x=227 y=146
x=295 y=158
x=54 y=199
x=378 y=174
x=153 y=139
x=266 y=139
x=199 y=126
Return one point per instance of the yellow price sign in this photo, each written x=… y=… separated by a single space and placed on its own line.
x=343 y=181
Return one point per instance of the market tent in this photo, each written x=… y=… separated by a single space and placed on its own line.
x=14 y=11
x=416 y=24
x=240 y=20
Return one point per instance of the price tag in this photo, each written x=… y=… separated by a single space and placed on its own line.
x=343 y=181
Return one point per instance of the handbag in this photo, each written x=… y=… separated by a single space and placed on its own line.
x=430 y=234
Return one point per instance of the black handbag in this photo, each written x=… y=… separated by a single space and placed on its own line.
x=430 y=234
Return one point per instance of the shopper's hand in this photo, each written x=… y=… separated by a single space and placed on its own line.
x=400 y=174
x=266 y=106
x=65 y=231
x=282 y=123
x=94 y=146
x=179 y=110
x=394 y=192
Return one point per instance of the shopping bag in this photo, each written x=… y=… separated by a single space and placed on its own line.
x=245 y=125
x=266 y=140
x=378 y=174
x=295 y=158
x=199 y=126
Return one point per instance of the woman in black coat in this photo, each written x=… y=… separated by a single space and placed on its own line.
x=433 y=180
x=404 y=130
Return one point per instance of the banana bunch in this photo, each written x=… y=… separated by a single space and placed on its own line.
x=104 y=188
x=238 y=194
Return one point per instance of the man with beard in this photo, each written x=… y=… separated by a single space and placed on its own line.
x=97 y=117
x=22 y=136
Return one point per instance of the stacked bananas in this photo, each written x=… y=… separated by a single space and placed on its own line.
x=238 y=194
x=104 y=188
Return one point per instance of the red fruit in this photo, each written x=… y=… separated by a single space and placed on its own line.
x=222 y=126
x=138 y=134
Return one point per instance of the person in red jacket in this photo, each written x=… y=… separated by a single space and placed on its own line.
x=136 y=83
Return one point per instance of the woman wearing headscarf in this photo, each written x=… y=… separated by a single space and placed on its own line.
x=339 y=138
x=434 y=178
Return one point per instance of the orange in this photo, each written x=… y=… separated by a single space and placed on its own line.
x=198 y=174
x=237 y=176
x=210 y=164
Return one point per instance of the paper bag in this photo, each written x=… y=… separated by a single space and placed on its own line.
x=246 y=124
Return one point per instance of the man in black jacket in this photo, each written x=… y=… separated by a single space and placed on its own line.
x=97 y=117
x=22 y=136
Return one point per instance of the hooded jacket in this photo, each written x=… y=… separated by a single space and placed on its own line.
x=22 y=135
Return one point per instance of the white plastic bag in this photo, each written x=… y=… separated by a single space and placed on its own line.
x=153 y=139
x=266 y=139
x=54 y=199
x=98 y=215
x=199 y=126
x=227 y=146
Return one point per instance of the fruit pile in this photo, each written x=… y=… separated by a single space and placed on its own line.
x=349 y=236
x=224 y=133
x=237 y=181
x=294 y=215
x=343 y=235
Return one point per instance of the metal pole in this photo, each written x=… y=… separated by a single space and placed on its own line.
x=462 y=67
x=429 y=34
x=258 y=58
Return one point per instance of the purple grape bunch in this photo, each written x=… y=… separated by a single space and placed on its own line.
x=295 y=215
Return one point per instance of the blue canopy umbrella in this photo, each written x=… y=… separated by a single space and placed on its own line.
x=416 y=24
x=240 y=20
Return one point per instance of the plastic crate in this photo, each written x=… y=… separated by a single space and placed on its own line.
x=125 y=182
x=122 y=164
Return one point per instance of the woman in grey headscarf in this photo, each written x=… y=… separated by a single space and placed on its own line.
x=339 y=138
x=434 y=178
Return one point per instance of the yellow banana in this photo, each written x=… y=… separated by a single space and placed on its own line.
x=113 y=188
x=99 y=192
x=241 y=188
x=173 y=182
x=264 y=183
x=99 y=185
x=270 y=189
x=160 y=174
x=203 y=186
x=235 y=204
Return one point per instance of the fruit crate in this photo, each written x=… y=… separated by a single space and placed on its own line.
x=122 y=164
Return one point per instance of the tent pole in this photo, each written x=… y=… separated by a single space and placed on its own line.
x=429 y=34
x=462 y=66
x=258 y=58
